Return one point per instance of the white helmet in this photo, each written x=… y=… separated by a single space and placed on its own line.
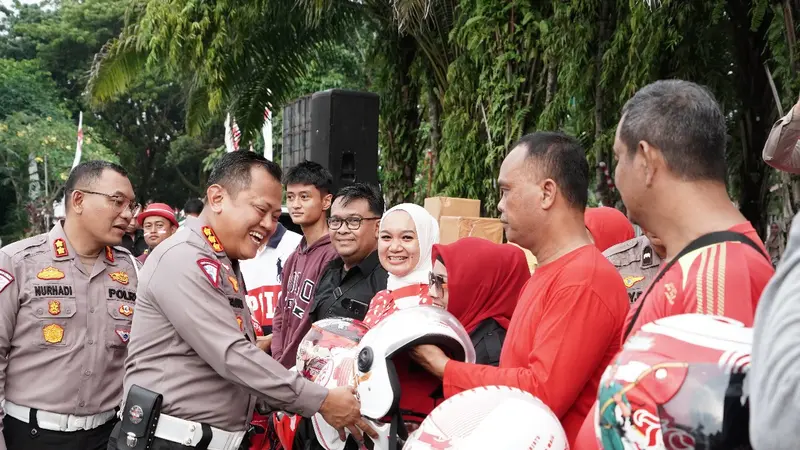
x=375 y=375
x=490 y=417
x=377 y=379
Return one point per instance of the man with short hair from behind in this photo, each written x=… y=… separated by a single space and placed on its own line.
x=566 y=327
x=193 y=207
x=308 y=198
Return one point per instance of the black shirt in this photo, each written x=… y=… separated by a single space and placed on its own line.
x=135 y=245
x=348 y=294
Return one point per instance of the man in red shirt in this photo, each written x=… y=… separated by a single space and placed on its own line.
x=670 y=151
x=567 y=324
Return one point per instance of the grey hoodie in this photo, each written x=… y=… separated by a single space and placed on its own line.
x=774 y=378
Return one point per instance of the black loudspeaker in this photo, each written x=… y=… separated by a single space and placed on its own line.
x=344 y=135
x=337 y=129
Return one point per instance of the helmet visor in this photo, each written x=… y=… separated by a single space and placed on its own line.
x=709 y=411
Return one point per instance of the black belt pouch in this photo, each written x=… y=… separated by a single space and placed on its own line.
x=139 y=419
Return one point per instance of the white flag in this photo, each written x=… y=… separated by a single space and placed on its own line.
x=267 y=132
x=228 y=135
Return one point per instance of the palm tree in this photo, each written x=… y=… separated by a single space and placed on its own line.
x=228 y=56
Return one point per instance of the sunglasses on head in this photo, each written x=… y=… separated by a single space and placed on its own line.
x=436 y=281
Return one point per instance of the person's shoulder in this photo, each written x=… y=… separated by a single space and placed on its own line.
x=25 y=247
x=180 y=248
x=626 y=252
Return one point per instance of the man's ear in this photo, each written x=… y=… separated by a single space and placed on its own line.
x=76 y=199
x=653 y=159
x=327 y=200
x=377 y=227
x=215 y=195
x=549 y=192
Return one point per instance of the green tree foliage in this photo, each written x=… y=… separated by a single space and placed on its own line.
x=50 y=142
x=26 y=87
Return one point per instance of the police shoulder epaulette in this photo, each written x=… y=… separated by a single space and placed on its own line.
x=621 y=247
x=122 y=249
x=18 y=247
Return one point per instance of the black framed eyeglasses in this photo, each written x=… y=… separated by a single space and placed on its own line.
x=353 y=223
x=436 y=281
x=119 y=202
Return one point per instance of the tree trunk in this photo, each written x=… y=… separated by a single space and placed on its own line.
x=552 y=80
x=603 y=32
x=434 y=118
x=400 y=125
x=752 y=87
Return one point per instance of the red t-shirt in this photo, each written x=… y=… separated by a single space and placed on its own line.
x=563 y=334
x=725 y=279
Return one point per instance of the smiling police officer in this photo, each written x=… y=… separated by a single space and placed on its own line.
x=66 y=303
x=193 y=340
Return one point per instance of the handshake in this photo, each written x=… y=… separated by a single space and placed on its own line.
x=341 y=409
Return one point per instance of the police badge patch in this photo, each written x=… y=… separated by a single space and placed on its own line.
x=210 y=269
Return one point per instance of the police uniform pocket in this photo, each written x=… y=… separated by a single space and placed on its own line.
x=54 y=317
x=119 y=325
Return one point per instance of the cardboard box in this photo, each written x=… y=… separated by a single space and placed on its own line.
x=451 y=206
x=453 y=228
x=532 y=263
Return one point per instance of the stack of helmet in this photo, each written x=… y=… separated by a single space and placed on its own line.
x=678 y=384
x=340 y=352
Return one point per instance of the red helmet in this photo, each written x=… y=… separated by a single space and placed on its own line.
x=678 y=384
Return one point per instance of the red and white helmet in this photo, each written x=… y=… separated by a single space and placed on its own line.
x=493 y=417
x=678 y=384
x=329 y=339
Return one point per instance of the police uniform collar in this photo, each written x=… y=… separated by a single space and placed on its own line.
x=208 y=234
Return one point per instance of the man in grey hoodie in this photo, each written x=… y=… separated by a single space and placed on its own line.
x=308 y=197
x=774 y=381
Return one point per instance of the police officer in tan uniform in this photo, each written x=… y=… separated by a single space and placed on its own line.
x=66 y=303
x=637 y=260
x=782 y=150
x=193 y=339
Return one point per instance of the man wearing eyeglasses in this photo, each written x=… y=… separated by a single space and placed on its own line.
x=351 y=280
x=66 y=303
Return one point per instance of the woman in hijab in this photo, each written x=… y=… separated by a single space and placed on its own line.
x=478 y=282
x=405 y=240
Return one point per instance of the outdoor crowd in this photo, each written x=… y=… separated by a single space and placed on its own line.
x=102 y=325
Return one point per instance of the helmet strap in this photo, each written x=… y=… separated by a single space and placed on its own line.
x=397 y=431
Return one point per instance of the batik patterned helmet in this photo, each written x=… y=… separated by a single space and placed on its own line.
x=678 y=384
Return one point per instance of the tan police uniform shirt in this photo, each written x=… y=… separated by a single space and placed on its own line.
x=781 y=150
x=192 y=339
x=64 y=328
x=637 y=262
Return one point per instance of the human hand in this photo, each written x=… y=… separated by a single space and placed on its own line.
x=341 y=409
x=264 y=342
x=431 y=358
